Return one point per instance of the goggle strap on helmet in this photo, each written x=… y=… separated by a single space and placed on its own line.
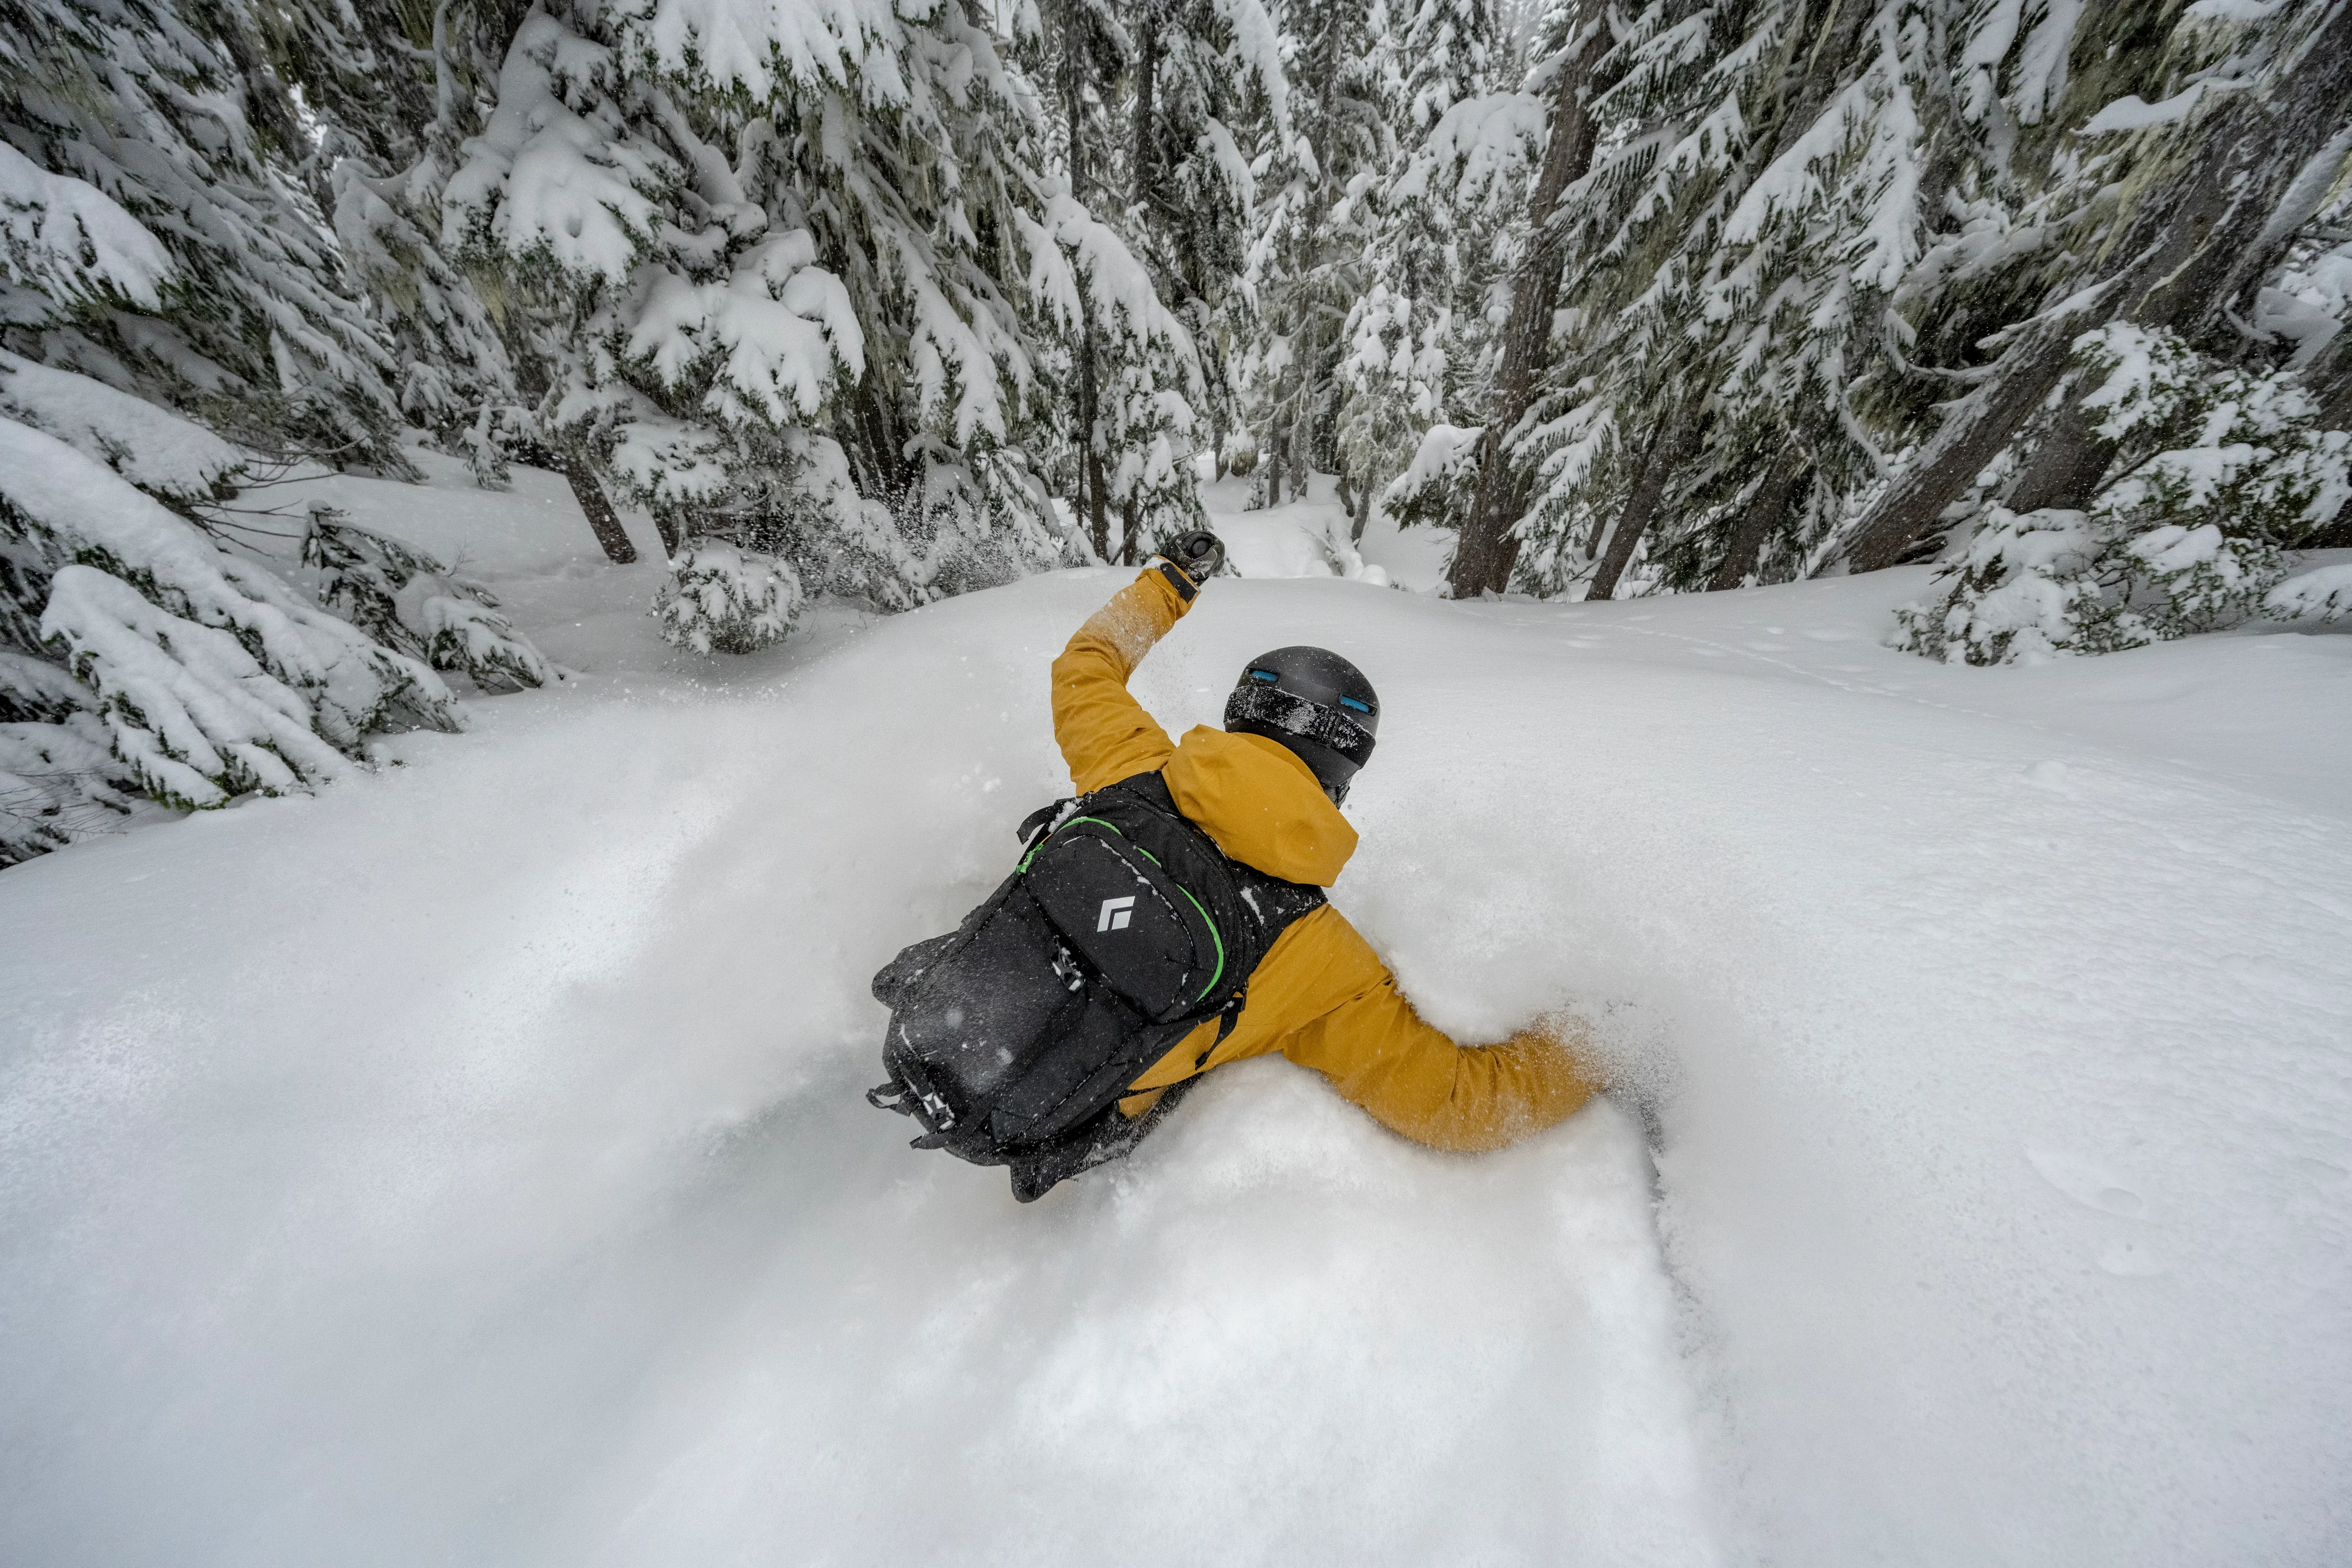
x=1295 y=715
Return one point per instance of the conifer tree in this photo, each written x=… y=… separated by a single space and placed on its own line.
x=397 y=91
x=1079 y=53
x=1416 y=338
x=166 y=249
x=774 y=300
x=2167 y=212
x=1208 y=103
x=1315 y=235
x=244 y=312
x=1564 y=83
x=1142 y=217
x=1726 y=262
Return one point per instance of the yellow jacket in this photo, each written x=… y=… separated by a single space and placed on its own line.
x=1320 y=997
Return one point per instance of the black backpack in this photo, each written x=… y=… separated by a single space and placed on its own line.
x=1013 y=1038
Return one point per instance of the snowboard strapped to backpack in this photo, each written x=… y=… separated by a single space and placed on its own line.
x=1013 y=1038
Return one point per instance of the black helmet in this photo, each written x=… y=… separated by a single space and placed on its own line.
x=1316 y=703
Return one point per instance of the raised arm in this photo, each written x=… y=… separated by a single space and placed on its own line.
x=1104 y=733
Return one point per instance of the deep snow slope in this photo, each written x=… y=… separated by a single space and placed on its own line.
x=468 y=1165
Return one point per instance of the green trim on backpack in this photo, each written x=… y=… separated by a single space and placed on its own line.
x=1214 y=936
x=1097 y=821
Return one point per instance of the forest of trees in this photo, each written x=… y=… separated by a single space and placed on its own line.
x=892 y=300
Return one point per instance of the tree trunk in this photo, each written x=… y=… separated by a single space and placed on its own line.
x=2189 y=248
x=1487 y=551
x=2067 y=468
x=1300 y=450
x=1764 y=509
x=1273 y=469
x=1957 y=453
x=1146 y=78
x=1363 y=513
x=886 y=450
x=1642 y=503
x=1090 y=504
x=1097 y=503
x=602 y=519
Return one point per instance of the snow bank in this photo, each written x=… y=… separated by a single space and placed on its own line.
x=1309 y=538
x=468 y=1165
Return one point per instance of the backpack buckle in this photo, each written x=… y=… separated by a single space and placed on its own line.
x=896 y=1096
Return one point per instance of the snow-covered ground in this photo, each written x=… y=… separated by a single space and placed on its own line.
x=1310 y=539
x=468 y=1165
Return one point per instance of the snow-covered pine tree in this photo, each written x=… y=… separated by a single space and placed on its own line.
x=1144 y=368
x=1079 y=53
x=1729 y=260
x=1311 y=256
x=396 y=90
x=161 y=234
x=560 y=197
x=236 y=306
x=2186 y=156
x=138 y=628
x=415 y=604
x=1207 y=103
x=675 y=336
x=794 y=303
x=1417 y=337
x=143 y=657
x=1130 y=371
x=2214 y=473
x=1761 y=315
x=1471 y=476
x=2172 y=451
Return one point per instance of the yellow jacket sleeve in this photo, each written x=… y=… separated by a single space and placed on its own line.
x=1324 y=999
x=1412 y=1080
x=1104 y=733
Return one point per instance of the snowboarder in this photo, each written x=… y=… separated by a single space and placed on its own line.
x=1268 y=791
x=1171 y=918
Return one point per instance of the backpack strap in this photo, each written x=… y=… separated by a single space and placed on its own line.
x=1042 y=821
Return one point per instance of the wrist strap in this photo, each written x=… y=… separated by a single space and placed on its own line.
x=1178 y=581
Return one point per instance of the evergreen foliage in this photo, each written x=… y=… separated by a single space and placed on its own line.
x=211 y=676
x=1822 y=255
x=1162 y=117
x=1311 y=253
x=2218 y=474
x=1418 y=342
x=162 y=236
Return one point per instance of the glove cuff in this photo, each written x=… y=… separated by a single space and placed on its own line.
x=1186 y=589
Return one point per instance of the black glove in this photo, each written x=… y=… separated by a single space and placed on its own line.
x=1197 y=555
